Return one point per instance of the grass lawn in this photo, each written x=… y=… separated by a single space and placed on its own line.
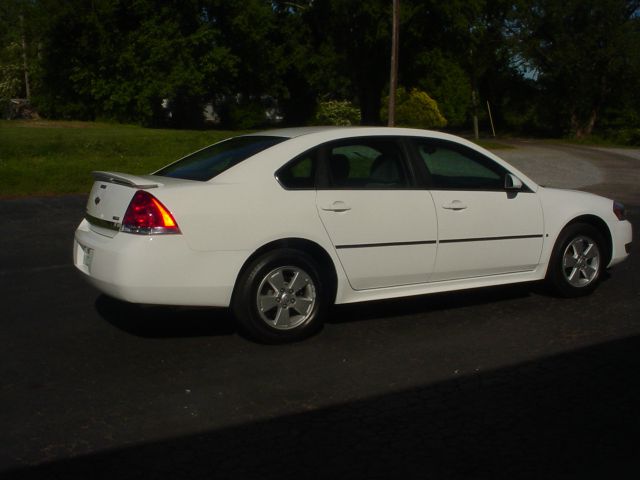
x=49 y=157
x=57 y=157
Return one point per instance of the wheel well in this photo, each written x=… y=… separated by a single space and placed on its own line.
x=319 y=254
x=601 y=226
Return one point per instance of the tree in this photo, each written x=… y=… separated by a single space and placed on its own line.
x=305 y=72
x=439 y=74
x=559 y=67
x=150 y=61
x=454 y=50
x=19 y=39
x=583 y=53
x=356 y=36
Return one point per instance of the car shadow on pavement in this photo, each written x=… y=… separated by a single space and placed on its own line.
x=569 y=416
x=150 y=321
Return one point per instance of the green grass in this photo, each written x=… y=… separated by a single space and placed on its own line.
x=48 y=157
x=57 y=157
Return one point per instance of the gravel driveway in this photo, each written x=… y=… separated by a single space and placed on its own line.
x=595 y=169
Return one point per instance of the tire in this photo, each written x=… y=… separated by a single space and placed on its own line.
x=280 y=297
x=577 y=262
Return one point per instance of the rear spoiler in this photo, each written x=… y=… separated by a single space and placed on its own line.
x=125 y=179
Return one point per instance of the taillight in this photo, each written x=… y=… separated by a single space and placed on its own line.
x=146 y=215
x=618 y=210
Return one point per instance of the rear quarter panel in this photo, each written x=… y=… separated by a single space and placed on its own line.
x=242 y=217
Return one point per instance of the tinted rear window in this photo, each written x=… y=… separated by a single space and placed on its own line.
x=211 y=161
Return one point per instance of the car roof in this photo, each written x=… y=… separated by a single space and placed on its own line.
x=294 y=132
x=341 y=131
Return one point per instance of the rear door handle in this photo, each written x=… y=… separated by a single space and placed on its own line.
x=455 y=205
x=337 y=206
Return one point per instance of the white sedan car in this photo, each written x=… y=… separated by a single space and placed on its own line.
x=281 y=224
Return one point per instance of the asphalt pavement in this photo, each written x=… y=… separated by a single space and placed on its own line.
x=505 y=382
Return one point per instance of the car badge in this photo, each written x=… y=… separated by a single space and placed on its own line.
x=96 y=200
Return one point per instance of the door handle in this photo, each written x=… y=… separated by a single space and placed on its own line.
x=337 y=206
x=455 y=205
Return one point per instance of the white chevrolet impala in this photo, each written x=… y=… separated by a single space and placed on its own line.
x=281 y=224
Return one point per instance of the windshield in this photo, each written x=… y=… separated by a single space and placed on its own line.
x=211 y=161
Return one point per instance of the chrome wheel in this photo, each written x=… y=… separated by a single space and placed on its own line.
x=581 y=261
x=286 y=297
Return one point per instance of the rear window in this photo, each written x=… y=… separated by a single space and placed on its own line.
x=211 y=161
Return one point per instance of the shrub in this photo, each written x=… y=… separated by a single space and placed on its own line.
x=337 y=112
x=626 y=136
x=414 y=109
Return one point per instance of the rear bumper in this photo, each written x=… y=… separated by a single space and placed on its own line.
x=155 y=269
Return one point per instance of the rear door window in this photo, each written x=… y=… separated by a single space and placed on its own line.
x=367 y=163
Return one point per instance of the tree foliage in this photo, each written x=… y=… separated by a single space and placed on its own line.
x=542 y=65
x=584 y=54
x=19 y=26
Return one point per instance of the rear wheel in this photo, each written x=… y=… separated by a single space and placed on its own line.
x=280 y=297
x=577 y=261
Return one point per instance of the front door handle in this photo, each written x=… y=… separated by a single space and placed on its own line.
x=455 y=205
x=337 y=206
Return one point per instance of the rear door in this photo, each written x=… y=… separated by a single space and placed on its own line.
x=382 y=225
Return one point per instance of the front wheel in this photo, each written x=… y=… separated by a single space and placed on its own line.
x=577 y=261
x=280 y=297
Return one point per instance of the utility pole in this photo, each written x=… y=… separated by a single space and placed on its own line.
x=393 y=77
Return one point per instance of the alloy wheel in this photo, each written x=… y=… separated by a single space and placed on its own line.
x=581 y=261
x=286 y=297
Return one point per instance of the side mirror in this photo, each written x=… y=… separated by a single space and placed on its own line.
x=511 y=182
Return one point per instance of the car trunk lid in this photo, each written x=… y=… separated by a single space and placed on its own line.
x=110 y=196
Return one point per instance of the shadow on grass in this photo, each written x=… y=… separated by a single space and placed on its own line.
x=575 y=415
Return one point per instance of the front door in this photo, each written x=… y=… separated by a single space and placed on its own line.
x=483 y=229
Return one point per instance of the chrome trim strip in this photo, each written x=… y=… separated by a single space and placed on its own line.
x=390 y=244
x=99 y=222
x=431 y=242
x=485 y=239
